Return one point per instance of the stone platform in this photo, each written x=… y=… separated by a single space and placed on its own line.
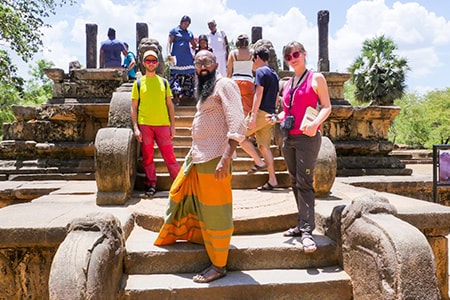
x=43 y=221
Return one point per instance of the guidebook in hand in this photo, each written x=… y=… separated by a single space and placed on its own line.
x=310 y=115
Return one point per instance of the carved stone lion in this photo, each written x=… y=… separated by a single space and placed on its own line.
x=150 y=44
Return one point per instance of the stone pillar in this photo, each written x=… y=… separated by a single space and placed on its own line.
x=141 y=32
x=91 y=46
x=256 y=34
x=285 y=64
x=323 y=18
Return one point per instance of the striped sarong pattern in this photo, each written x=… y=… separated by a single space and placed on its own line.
x=200 y=211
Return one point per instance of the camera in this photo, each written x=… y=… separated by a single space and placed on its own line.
x=288 y=123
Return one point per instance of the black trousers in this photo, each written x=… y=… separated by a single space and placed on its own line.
x=300 y=154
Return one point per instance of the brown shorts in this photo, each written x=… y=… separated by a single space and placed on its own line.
x=263 y=130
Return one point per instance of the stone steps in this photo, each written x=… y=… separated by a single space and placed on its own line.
x=48 y=169
x=60 y=157
x=240 y=164
x=23 y=150
x=414 y=156
x=240 y=180
x=261 y=266
x=182 y=151
x=326 y=284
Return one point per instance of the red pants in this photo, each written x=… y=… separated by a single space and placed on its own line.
x=160 y=134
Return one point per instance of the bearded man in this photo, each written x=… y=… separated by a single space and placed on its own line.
x=200 y=209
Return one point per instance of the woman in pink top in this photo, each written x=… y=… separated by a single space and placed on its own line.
x=301 y=143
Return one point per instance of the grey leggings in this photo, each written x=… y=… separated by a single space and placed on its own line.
x=300 y=154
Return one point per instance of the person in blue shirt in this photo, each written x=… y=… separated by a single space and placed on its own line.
x=129 y=63
x=110 y=51
x=181 y=61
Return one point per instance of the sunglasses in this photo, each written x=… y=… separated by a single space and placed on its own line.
x=289 y=57
x=151 y=61
x=207 y=63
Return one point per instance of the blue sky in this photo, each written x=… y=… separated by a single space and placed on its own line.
x=421 y=29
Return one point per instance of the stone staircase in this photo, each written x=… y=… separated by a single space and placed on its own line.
x=56 y=142
x=413 y=156
x=52 y=141
x=184 y=116
x=260 y=266
x=262 y=263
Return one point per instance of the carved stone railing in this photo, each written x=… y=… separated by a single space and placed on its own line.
x=89 y=263
x=387 y=258
x=394 y=233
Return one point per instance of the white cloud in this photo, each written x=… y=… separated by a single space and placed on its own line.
x=413 y=29
x=54 y=50
x=420 y=35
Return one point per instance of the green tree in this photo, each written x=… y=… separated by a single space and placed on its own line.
x=349 y=93
x=410 y=126
x=33 y=92
x=22 y=21
x=9 y=95
x=20 y=32
x=423 y=119
x=39 y=88
x=378 y=74
x=8 y=72
x=437 y=108
x=11 y=86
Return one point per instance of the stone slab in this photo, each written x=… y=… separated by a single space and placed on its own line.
x=253 y=211
x=247 y=252
x=43 y=221
x=316 y=283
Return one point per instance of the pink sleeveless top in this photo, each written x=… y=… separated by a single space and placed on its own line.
x=302 y=97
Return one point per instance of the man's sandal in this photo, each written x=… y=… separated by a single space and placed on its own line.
x=256 y=168
x=209 y=274
x=309 y=246
x=294 y=231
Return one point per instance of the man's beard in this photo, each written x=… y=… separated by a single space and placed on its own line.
x=205 y=85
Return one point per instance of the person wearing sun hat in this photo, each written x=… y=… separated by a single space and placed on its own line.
x=153 y=118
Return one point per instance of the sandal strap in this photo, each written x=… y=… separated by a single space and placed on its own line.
x=220 y=270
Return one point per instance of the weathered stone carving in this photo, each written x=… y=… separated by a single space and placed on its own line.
x=89 y=262
x=150 y=44
x=115 y=164
x=85 y=85
x=273 y=63
x=325 y=170
x=386 y=257
x=119 y=110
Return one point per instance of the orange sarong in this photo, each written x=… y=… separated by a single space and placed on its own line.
x=247 y=89
x=200 y=211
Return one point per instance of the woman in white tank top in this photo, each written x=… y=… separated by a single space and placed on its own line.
x=240 y=70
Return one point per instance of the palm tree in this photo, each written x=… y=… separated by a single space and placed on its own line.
x=378 y=74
